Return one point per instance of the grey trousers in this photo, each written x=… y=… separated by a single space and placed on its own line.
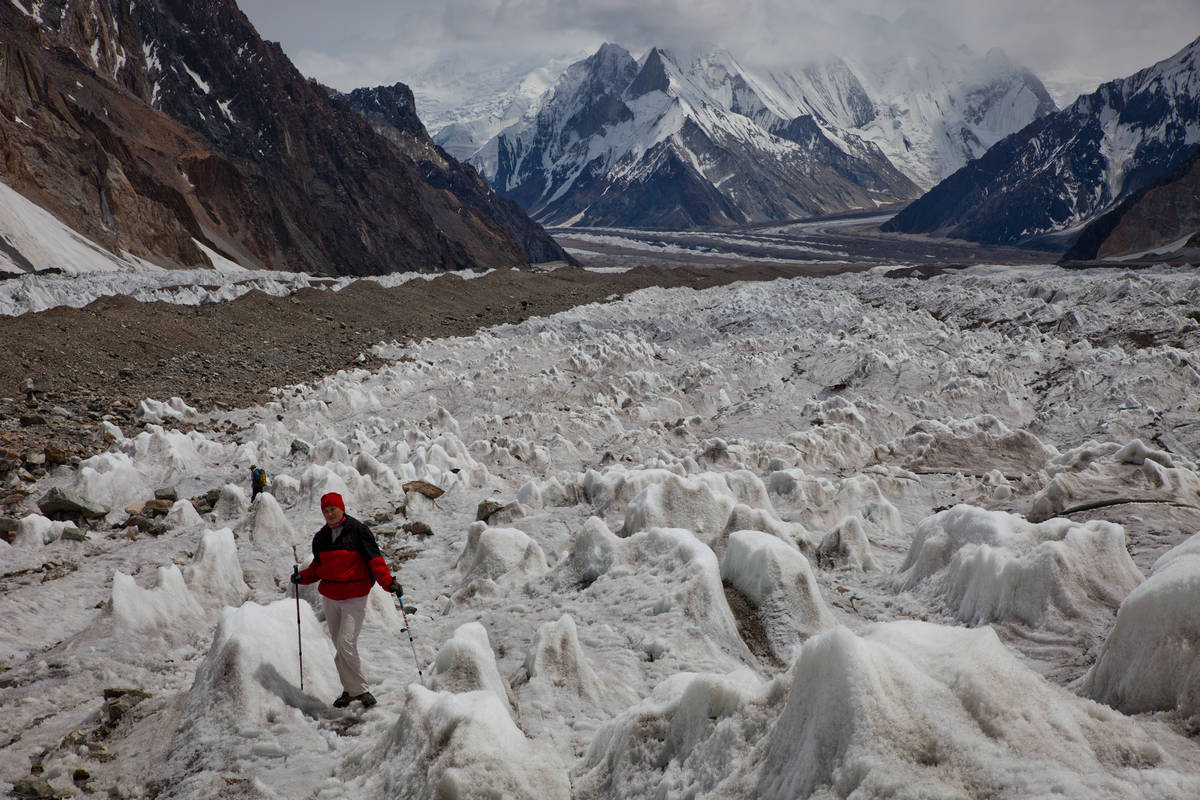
x=345 y=620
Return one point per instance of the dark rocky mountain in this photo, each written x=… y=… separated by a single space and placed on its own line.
x=659 y=144
x=1045 y=183
x=154 y=125
x=1162 y=218
x=392 y=112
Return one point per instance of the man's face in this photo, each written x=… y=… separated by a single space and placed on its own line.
x=333 y=514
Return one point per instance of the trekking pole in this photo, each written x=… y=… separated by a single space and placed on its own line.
x=408 y=630
x=299 y=638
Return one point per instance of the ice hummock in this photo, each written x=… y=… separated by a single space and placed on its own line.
x=1151 y=659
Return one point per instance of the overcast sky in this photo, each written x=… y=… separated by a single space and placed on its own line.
x=355 y=43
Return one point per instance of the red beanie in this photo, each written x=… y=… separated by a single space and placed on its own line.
x=332 y=499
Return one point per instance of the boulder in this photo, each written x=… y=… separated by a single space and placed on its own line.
x=33 y=786
x=34 y=386
x=418 y=529
x=14 y=498
x=56 y=454
x=169 y=493
x=157 y=508
x=66 y=502
x=146 y=524
x=509 y=513
x=74 y=535
x=486 y=508
x=118 y=702
x=425 y=488
x=204 y=503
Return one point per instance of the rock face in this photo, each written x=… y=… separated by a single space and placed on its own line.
x=67 y=504
x=1162 y=220
x=680 y=141
x=150 y=127
x=1067 y=169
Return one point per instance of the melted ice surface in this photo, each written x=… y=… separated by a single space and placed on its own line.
x=825 y=537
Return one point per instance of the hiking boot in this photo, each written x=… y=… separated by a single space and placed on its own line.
x=342 y=701
x=367 y=699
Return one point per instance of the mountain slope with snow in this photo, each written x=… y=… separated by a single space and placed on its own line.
x=1066 y=169
x=170 y=130
x=466 y=102
x=689 y=136
x=677 y=140
x=939 y=109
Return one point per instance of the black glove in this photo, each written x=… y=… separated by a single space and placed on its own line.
x=395 y=588
x=296 y=578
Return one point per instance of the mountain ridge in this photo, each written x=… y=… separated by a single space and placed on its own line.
x=657 y=144
x=151 y=127
x=1051 y=179
x=863 y=140
x=391 y=112
x=930 y=109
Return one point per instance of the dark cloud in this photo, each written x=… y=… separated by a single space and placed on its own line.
x=363 y=42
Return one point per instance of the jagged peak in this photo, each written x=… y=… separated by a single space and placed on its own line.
x=669 y=87
x=1182 y=64
x=609 y=52
x=392 y=105
x=1056 y=175
x=660 y=53
x=610 y=63
x=607 y=71
x=653 y=75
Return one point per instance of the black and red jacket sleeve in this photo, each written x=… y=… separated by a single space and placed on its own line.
x=375 y=563
x=348 y=565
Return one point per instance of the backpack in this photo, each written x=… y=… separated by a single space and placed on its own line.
x=259 y=478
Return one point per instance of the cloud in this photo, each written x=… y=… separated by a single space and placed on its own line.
x=365 y=42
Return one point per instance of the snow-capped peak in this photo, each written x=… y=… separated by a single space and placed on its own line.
x=725 y=145
x=927 y=110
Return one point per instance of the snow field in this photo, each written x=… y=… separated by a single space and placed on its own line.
x=721 y=512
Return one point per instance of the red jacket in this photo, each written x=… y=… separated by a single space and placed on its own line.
x=347 y=566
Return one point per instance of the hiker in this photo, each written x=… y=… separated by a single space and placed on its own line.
x=258 y=481
x=346 y=560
